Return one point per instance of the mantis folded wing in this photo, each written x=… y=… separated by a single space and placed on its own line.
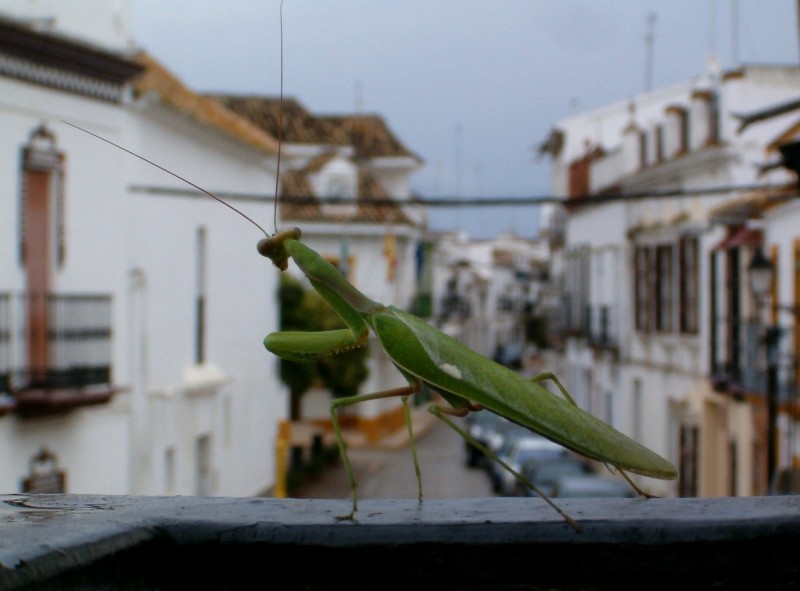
x=429 y=359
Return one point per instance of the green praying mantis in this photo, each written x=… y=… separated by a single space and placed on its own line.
x=432 y=361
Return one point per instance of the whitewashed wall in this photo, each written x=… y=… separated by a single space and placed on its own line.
x=141 y=248
x=91 y=443
x=234 y=398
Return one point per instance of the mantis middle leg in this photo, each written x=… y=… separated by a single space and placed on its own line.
x=404 y=393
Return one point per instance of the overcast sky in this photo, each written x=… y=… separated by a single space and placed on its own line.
x=471 y=86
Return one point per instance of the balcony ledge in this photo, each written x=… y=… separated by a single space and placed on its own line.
x=48 y=401
x=7 y=403
x=94 y=542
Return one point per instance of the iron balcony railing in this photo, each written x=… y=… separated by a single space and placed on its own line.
x=596 y=323
x=735 y=354
x=54 y=340
x=739 y=358
x=602 y=328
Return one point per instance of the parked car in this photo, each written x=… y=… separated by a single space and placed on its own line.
x=525 y=449
x=544 y=474
x=591 y=486
x=484 y=426
x=503 y=442
x=509 y=355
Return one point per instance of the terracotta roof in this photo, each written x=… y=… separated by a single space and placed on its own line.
x=320 y=160
x=294 y=189
x=369 y=135
x=298 y=203
x=299 y=125
x=157 y=79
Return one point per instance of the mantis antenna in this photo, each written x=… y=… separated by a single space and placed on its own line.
x=177 y=176
x=280 y=126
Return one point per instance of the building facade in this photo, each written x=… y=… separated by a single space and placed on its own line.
x=132 y=309
x=650 y=275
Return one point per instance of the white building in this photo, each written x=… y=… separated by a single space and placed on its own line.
x=485 y=291
x=132 y=309
x=646 y=332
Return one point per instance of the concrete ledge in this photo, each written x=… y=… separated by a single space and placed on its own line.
x=101 y=542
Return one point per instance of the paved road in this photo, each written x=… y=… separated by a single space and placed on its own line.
x=389 y=473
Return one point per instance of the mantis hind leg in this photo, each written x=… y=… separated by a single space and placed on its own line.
x=441 y=413
x=548 y=375
x=404 y=393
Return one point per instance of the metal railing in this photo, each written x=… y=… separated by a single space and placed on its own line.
x=602 y=327
x=54 y=340
x=739 y=360
x=735 y=354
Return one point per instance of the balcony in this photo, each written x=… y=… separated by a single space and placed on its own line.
x=55 y=351
x=602 y=333
x=735 y=365
x=738 y=362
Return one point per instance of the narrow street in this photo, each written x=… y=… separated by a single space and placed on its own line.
x=389 y=473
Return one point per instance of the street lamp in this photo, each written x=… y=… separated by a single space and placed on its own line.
x=760 y=273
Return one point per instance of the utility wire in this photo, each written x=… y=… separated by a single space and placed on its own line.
x=783 y=191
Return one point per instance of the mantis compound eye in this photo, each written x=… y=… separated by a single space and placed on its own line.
x=275 y=247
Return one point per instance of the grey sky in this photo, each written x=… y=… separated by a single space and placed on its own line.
x=469 y=85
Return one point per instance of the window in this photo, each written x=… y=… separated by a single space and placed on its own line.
x=644 y=286
x=665 y=282
x=664 y=285
x=203 y=466
x=659 y=140
x=643 y=160
x=41 y=244
x=637 y=411
x=688 y=284
x=200 y=297
x=689 y=459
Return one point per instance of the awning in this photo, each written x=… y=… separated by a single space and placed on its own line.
x=740 y=237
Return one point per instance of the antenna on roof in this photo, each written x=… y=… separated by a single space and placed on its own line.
x=735 y=32
x=649 y=40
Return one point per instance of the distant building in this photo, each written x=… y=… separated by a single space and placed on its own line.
x=487 y=293
x=656 y=327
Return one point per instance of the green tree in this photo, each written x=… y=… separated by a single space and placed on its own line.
x=341 y=374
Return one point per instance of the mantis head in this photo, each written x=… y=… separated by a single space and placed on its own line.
x=275 y=249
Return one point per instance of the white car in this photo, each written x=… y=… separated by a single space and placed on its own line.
x=525 y=450
x=592 y=487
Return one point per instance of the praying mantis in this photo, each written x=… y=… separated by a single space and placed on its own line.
x=430 y=360
x=433 y=361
